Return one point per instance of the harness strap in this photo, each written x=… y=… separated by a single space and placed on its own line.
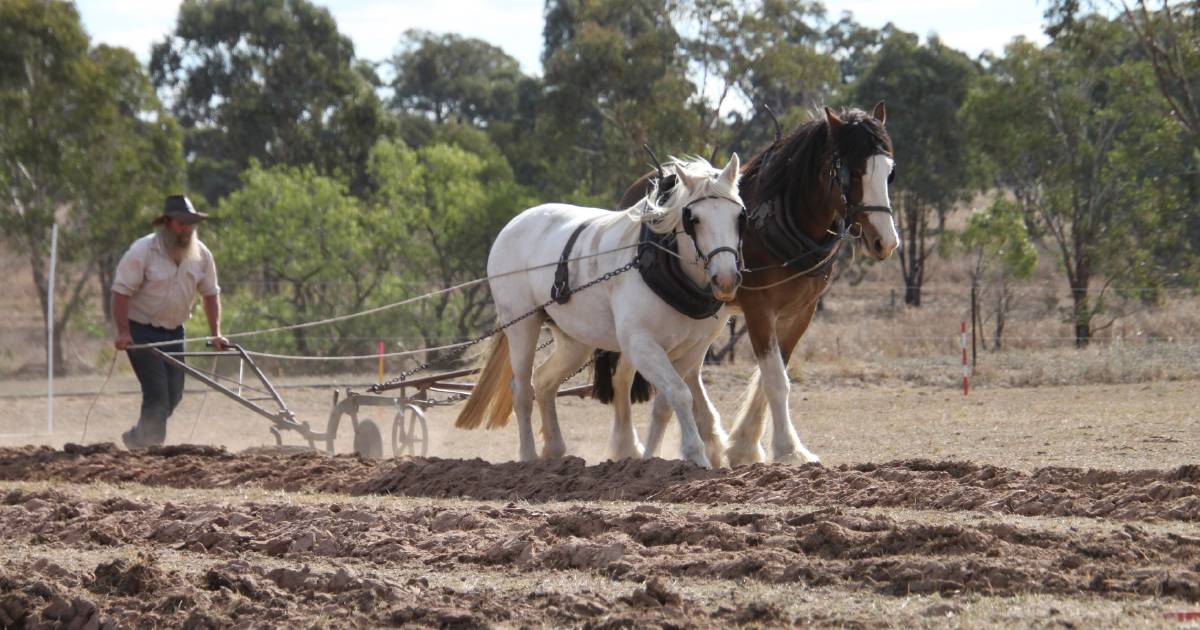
x=560 y=291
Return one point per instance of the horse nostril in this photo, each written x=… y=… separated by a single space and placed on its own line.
x=879 y=245
x=737 y=279
x=713 y=280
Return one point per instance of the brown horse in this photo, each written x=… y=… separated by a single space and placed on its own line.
x=806 y=194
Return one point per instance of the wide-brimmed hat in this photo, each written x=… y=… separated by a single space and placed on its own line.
x=180 y=208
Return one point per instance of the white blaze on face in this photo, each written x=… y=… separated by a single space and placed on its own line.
x=875 y=193
x=717 y=227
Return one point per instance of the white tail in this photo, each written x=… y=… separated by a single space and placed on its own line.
x=492 y=396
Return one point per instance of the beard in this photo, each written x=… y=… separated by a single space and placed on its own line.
x=179 y=247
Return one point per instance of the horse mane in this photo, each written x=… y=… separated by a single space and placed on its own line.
x=665 y=217
x=794 y=166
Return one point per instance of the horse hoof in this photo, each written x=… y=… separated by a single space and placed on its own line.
x=629 y=451
x=740 y=456
x=553 y=453
x=699 y=459
x=798 y=458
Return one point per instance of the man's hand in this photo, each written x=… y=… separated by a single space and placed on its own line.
x=123 y=341
x=220 y=343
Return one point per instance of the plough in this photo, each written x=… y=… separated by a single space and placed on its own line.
x=409 y=430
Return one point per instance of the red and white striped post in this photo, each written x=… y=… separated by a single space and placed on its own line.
x=966 y=367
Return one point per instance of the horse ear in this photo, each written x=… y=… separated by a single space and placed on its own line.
x=729 y=176
x=834 y=121
x=880 y=113
x=689 y=182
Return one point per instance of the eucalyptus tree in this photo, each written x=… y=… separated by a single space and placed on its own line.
x=84 y=143
x=997 y=245
x=614 y=80
x=925 y=86
x=1070 y=131
x=272 y=80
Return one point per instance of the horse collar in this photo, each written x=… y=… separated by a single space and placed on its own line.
x=787 y=242
x=663 y=273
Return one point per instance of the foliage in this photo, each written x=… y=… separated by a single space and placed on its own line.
x=614 y=80
x=301 y=248
x=84 y=143
x=454 y=77
x=1067 y=129
x=1001 y=252
x=272 y=80
x=924 y=87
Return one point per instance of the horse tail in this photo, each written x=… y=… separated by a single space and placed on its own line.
x=602 y=376
x=492 y=395
x=642 y=390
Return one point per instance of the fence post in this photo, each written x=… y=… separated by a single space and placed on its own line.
x=966 y=370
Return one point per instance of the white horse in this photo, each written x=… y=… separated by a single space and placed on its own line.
x=703 y=209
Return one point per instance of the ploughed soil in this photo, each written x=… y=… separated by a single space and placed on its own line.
x=1172 y=494
x=558 y=543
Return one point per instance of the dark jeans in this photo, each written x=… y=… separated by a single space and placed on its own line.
x=162 y=382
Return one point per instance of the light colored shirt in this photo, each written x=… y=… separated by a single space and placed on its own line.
x=161 y=292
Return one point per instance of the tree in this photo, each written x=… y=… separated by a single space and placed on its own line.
x=773 y=54
x=295 y=246
x=272 y=80
x=925 y=87
x=1000 y=252
x=135 y=160
x=1170 y=39
x=83 y=143
x=454 y=77
x=448 y=200
x=1067 y=128
x=614 y=80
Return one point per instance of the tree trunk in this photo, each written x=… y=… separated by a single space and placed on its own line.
x=1081 y=312
x=912 y=255
x=912 y=294
x=1001 y=314
x=106 y=273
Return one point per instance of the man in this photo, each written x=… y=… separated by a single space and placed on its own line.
x=153 y=291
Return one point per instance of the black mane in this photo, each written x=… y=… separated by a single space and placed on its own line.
x=789 y=168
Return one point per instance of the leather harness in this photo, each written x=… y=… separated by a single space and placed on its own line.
x=661 y=270
x=786 y=241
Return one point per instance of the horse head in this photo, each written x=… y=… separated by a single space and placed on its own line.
x=860 y=168
x=700 y=204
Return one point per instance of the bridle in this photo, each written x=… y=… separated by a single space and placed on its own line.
x=689 y=228
x=667 y=184
x=839 y=173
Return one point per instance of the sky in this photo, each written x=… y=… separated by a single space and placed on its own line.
x=515 y=26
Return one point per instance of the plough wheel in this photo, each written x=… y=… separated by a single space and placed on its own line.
x=410 y=432
x=368 y=441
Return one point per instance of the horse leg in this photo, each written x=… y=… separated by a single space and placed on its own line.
x=624 y=443
x=786 y=446
x=652 y=361
x=522 y=346
x=660 y=414
x=568 y=355
x=708 y=420
x=746 y=447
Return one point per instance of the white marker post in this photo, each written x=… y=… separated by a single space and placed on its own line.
x=50 y=331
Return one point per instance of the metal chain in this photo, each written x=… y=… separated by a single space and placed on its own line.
x=379 y=387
